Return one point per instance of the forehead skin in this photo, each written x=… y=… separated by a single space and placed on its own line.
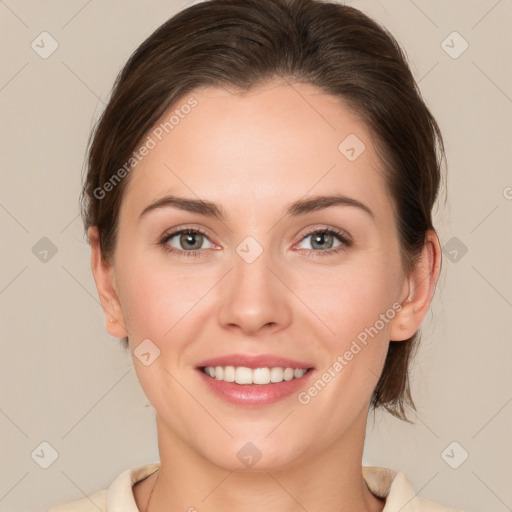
x=256 y=152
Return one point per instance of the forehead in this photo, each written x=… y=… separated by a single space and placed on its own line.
x=274 y=143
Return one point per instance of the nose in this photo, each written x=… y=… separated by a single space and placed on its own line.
x=255 y=297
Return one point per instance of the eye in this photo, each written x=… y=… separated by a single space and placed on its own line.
x=189 y=242
x=323 y=239
x=190 y=239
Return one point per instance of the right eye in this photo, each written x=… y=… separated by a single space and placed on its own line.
x=186 y=237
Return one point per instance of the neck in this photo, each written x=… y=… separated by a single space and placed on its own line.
x=329 y=480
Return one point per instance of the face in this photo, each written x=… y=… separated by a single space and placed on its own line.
x=321 y=286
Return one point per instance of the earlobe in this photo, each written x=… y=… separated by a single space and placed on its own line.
x=421 y=282
x=103 y=273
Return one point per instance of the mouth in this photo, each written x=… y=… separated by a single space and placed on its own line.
x=244 y=375
x=254 y=380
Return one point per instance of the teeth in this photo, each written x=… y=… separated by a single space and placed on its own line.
x=244 y=375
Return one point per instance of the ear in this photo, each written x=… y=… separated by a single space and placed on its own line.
x=421 y=286
x=104 y=277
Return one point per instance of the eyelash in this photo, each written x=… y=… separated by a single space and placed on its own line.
x=340 y=235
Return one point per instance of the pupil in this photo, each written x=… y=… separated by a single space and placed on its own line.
x=319 y=237
x=189 y=238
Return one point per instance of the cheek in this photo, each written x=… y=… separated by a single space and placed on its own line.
x=156 y=296
x=355 y=303
x=349 y=299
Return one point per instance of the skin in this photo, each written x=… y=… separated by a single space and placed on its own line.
x=253 y=154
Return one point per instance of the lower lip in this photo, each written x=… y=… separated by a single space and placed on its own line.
x=255 y=394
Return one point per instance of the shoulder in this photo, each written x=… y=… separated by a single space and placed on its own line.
x=92 y=503
x=399 y=494
x=403 y=497
x=118 y=496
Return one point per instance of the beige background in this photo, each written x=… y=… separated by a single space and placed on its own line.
x=66 y=382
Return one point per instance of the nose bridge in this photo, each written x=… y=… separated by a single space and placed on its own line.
x=253 y=296
x=251 y=269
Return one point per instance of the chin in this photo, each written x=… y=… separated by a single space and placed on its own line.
x=254 y=456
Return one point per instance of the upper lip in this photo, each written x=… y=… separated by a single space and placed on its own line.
x=254 y=361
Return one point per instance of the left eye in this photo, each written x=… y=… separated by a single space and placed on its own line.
x=323 y=239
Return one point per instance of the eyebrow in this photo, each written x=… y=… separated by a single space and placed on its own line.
x=297 y=208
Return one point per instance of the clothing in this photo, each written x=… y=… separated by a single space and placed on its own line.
x=382 y=482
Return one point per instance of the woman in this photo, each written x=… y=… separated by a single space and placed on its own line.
x=258 y=203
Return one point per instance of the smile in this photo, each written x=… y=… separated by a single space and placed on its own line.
x=253 y=376
x=254 y=387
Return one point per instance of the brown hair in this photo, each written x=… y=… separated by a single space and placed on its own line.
x=243 y=43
